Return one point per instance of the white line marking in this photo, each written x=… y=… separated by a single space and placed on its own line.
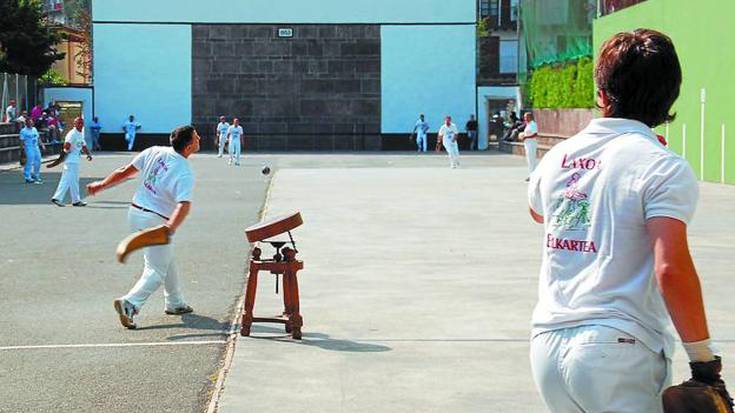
x=234 y=334
x=703 y=97
x=114 y=345
x=684 y=141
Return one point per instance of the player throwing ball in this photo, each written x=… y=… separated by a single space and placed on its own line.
x=164 y=196
x=615 y=205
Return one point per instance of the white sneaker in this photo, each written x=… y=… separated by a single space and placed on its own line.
x=125 y=311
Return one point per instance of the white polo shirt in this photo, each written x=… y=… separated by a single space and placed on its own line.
x=448 y=132
x=235 y=132
x=595 y=192
x=422 y=127
x=222 y=128
x=166 y=177
x=75 y=139
x=530 y=129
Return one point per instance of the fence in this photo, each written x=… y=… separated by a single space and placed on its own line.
x=15 y=87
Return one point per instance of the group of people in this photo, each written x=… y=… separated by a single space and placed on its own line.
x=230 y=136
x=447 y=137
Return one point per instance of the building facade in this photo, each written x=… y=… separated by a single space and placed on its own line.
x=704 y=129
x=300 y=75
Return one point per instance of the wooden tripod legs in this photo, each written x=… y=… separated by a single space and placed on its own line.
x=291 y=313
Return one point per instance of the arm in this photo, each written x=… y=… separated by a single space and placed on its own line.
x=121 y=174
x=677 y=278
x=539 y=219
x=85 y=151
x=179 y=215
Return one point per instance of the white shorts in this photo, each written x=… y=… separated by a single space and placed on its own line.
x=598 y=369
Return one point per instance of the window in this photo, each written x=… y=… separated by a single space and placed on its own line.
x=484 y=8
x=509 y=56
x=514 y=10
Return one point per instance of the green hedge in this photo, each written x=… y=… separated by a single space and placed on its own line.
x=569 y=85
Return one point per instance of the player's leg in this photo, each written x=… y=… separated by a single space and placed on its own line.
x=221 y=146
x=173 y=298
x=237 y=152
x=74 y=182
x=530 y=146
x=157 y=260
x=28 y=167
x=63 y=186
x=608 y=370
x=36 y=170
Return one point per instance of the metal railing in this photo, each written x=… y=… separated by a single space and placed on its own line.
x=14 y=87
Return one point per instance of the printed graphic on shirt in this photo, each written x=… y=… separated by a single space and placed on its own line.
x=154 y=174
x=572 y=210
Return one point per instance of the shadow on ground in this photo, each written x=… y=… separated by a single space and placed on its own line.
x=320 y=340
x=14 y=190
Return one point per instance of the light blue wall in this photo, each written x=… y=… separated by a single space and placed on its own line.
x=143 y=70
x=285 y=11
x=430 y=70
x=73 y=94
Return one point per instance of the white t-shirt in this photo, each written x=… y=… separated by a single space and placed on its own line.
x=448 y=132
x=222 y=129
x=166 y=179
x=422 y=127
x=530 y=129
x=76 y=140
x=235 y=132
x=29 y=136
x=131 y=128
x=596 y=191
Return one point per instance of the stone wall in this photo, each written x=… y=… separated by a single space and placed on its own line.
x=319 y=90
x=562 y=122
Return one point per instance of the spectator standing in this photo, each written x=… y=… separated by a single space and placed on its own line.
x=21 y=120
x=131 y=129
x=421 y=129
x=11 y=112
x=448 y=137
x=95 y=127
x=471 y=128
x=36 y=113
x=528 y=137
x=74 y=144
x=30 y=139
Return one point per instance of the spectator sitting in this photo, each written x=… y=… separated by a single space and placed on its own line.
x=54 y=128
x=36 y=113
x=516 y=127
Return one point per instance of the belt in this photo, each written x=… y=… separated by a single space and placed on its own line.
x=148 y=210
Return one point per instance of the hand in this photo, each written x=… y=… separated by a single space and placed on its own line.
x=708 y=372
x=89 y=157
x=95 y=187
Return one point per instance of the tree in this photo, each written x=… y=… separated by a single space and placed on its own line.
x=27 y=42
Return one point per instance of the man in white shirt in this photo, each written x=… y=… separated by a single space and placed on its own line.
x=11 y=112
x=30 y=140
x=164 y=196
x=528 y=137
x=235 y=136
x=615 y=205
x=221 y=133
x=74 y=144
x=131 y=129
x=448 y=136
x=421 y=129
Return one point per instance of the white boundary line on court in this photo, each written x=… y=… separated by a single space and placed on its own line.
x=722 y=156
x=684 y=140
x=703 y=100
x=232 y=337
x=113 y=345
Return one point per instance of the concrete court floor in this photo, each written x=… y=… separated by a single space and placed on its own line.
x=418 y=291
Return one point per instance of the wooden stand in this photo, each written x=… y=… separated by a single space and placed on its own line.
x=288 y=268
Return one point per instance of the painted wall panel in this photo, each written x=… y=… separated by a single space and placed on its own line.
x=144 y=70
x=286 y=11
x=705 y=65
x=430 y=70
x=73 y=94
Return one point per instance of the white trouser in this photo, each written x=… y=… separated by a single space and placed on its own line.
x=596 y=369
x=32 y=168
x=421 y=142
x=69 y=182
x=530 y=145
x=235 y=150
x=158 y=266
x=131 y=141
x=221 y=144
x=452 y=150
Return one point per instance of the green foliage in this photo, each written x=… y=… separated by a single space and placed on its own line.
x=27 y=43
x=569 y=85
x=52 y=78
x=483 y=28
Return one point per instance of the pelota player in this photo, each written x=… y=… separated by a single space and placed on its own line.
x=615 y=205
x=164 y=196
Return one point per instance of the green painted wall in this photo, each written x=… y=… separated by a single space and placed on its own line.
x=704 y=35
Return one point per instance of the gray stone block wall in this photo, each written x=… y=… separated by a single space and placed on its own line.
x=319 y=90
